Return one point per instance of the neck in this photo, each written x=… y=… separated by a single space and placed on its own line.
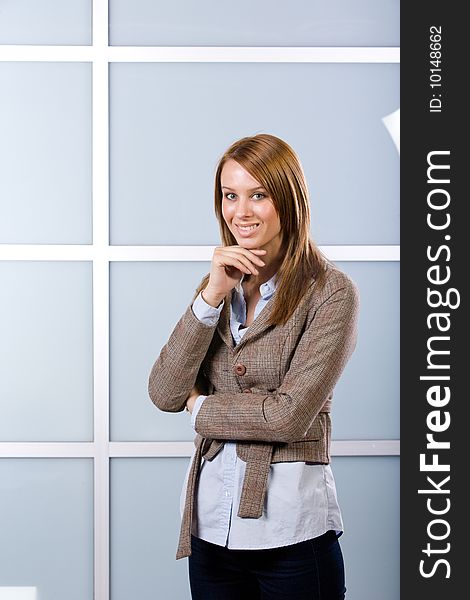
x=265 y=273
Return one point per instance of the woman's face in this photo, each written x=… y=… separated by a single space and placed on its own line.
x=248 y=210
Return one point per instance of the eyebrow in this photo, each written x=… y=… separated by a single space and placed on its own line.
x=259 y=187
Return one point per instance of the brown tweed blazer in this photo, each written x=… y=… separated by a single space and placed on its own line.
x=271 y=393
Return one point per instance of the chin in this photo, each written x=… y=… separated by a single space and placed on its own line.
x=248 y=244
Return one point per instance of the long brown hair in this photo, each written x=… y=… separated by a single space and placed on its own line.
x=275 y=165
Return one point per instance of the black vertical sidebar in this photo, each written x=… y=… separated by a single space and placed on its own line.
x=435 y=267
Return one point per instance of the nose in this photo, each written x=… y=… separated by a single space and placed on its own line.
x=244 y=207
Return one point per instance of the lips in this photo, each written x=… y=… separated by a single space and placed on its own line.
x=247 y=228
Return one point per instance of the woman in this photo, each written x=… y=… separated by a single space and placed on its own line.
x=254 y=359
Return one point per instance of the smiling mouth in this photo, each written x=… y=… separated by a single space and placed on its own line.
x=247 y=228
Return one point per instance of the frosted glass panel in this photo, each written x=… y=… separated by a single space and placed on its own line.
x=45 y=153
x=367 y=398
x=147 y=300
x=145 y=526
x=369 y=495
x=261 y=23
x=145 y=522
x=171 y=122
x=45 y=22
x=46 y=524
x=46 y=360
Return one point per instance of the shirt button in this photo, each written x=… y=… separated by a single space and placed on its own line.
x=247 y=391
x=240 y=369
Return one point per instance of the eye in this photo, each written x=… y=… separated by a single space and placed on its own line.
x=260 y=195
x=229 y=195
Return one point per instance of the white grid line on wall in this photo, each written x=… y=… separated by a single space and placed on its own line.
x=100 y=187
x=100 y=54
x=212 y=54
x=101 y=251
x=171 y=449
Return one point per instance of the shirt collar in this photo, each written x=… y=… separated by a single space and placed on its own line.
x=265 y=289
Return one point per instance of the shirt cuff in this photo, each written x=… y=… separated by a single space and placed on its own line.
x=197 y=406
x=207 y=314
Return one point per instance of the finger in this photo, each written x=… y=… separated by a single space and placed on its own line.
x=237 y=247
x=242 y=266
x=242 y=249
x=238 y=251
x=236 y=259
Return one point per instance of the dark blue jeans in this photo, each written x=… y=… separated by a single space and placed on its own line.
x=310 y=570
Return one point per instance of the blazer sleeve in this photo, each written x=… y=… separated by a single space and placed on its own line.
x=176 y=370
x=287 y=414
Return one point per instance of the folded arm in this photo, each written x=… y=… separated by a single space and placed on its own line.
x=287 y=414
x=175 y=372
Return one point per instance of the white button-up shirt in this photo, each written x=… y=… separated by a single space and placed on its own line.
x=301 y=500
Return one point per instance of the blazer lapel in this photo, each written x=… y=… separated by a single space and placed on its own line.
x=223 y=326
x=258 y=326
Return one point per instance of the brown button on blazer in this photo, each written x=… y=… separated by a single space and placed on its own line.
x=291 y=371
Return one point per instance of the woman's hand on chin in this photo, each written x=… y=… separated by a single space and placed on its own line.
x=228 y=265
